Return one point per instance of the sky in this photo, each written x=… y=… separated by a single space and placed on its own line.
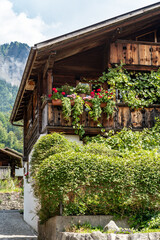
x=34 y=21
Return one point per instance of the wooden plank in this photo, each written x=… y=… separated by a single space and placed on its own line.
x=113 y=53
x=155 y=55
x=132 y=54
x=120 y=56
x=144 y=55
x=137 y=118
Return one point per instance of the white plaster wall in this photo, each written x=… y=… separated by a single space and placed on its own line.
x=30 y=205
x=30 y=202
x=73 y=138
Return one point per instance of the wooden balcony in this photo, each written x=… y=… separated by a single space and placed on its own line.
x=136 y=55
x=123 y=117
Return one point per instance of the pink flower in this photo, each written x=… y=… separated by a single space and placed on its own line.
x=63 y=93
x=49 y=95
x=87 y=98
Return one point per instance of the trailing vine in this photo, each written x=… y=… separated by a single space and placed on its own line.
x=77 y=111
x=136 y=89
x=66 y=108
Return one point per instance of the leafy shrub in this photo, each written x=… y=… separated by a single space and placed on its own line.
x=127 y=139
x=154 y=222
x=49 y=145
x=94 y=179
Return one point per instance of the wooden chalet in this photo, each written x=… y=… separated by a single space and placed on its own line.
x=9 y=161
x=133 y=38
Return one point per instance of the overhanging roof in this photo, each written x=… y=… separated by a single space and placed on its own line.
x=80 y=40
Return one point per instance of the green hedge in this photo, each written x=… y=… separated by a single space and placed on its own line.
x=94 y=179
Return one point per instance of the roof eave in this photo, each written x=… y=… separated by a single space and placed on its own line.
x=97 y=26
x=22 y=84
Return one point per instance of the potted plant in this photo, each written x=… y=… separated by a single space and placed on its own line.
x=67 y=89
x=57 y=96
x=82 y=89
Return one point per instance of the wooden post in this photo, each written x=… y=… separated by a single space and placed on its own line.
x=49 y=81
x=39 y=94
x=49 y=91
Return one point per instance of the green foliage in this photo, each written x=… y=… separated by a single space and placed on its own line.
x=83 y=228
x=77 y=111
x=82 y=88
x=10 y=136
x=154 y=223
x=66 y=108
x=136 y=89
x=47 y=146
x=7 y=96
x=9 y=184
x=127 y=139
x=94 y=179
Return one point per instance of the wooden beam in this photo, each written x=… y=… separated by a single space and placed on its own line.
x=49 y=63
x=30 y=85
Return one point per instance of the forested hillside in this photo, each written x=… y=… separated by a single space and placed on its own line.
x=7 y=96
x=10 y=136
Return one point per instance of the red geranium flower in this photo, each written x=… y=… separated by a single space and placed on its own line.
x=98 y=93
x=106 y=91
x=92 y=94
x=55 y=90
x=63 y=93
x=49 y=95
x=98 y=90
x=100 y=96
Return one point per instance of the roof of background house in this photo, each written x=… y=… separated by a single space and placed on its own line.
x=12 y=154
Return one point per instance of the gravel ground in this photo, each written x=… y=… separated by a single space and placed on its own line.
x=13 y=227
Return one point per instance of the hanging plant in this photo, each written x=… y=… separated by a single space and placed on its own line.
x=66 y=108
x=77 y=111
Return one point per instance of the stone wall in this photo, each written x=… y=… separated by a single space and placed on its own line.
x=10 y=201
x=55 y=225
x=107 y=236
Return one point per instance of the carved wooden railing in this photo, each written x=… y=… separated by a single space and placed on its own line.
x=123 y=117
x=135 y=53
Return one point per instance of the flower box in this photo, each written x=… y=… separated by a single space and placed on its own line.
x=57 y=102
x=102 y=104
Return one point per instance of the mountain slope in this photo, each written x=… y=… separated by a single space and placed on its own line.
x=7 y=96
x=13 y=57
x=12 y=61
